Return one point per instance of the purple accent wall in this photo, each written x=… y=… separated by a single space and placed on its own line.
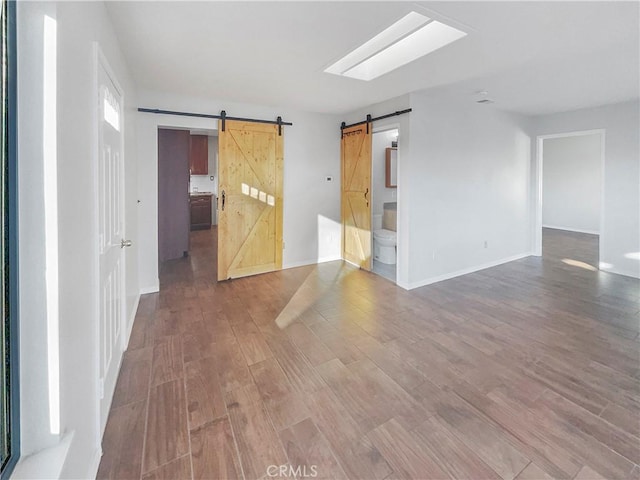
x=173 y=193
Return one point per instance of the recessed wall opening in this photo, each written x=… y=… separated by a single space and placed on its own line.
x=187 y=195
x=384 y=185
x=571 y=189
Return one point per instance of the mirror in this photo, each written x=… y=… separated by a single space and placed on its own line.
x=391 y=168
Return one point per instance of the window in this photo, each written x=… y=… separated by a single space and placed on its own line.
x=111 y=108
x=9 y=419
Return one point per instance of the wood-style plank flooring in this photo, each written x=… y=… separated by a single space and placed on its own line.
x=529 y=370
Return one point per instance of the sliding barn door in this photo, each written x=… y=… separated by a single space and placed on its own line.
x=356 y=195
x=249 y=199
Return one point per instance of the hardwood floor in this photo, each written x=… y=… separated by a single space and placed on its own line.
x=529 y=370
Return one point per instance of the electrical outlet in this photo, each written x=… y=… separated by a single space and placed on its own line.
x=329 y=178
x=486 y=244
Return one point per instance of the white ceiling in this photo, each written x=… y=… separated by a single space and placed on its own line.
x=532 y=57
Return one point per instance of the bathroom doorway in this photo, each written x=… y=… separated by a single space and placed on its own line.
x=384 y=184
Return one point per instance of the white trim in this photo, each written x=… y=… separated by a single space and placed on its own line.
x=95 y=463
x=537 y=191
x=386 y=127
x=617 y=271
x=571 y=229
x=151 y=289
x=465 y=271
x=603 y=141
x=577 y=133
x=96 y=236
x=305 y=263
x=47 y=463
x=132 y=317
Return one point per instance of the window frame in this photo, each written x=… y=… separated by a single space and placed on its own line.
x=11 y=238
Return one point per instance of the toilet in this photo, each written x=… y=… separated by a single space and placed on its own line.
x=384 y=236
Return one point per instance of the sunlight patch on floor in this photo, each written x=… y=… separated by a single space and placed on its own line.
x=312 y=289
x=579 y=264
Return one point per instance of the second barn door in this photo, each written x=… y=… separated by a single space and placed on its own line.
x=249 y=199
x=356 y=195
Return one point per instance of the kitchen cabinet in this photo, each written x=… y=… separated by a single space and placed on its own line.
x=200 y=211
x=199 y=155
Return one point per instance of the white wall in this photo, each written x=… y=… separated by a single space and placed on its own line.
x=380 y=193
x=311 y=151
x=620 y=234
x=79 y=24
x=468 y=182
x=572 y=183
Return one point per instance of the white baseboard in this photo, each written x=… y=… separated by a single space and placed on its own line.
x=131 y=317
x=95 y=464
x=618 y=271
x=571 y=229
x=152 y=289
x=304 y=263
x=466 y=271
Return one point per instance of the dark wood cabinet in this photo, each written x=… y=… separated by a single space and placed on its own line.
x=200 y=212
x=199 y=155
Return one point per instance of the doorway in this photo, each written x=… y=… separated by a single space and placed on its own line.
x=384 y=185
x=243 y=163
x=203 y=198
x=569 y=216
x=187 y=188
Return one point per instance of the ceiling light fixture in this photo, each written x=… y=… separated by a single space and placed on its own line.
x=408 y=39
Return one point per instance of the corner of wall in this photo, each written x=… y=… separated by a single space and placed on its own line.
x=466 y=271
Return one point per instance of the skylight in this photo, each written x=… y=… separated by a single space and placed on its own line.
x=408 y=39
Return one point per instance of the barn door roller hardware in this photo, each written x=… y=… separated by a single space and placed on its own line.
x=370 y=120
x=223 y=116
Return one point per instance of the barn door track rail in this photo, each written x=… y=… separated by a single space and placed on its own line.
x=369 y=119
x=223 y=116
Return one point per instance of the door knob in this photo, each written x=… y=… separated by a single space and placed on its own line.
x=223 y=199
x=365 y=196
x=125 y=243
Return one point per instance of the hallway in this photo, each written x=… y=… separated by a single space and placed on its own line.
x=520 y=371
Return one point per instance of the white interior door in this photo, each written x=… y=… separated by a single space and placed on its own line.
x=111 y=235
